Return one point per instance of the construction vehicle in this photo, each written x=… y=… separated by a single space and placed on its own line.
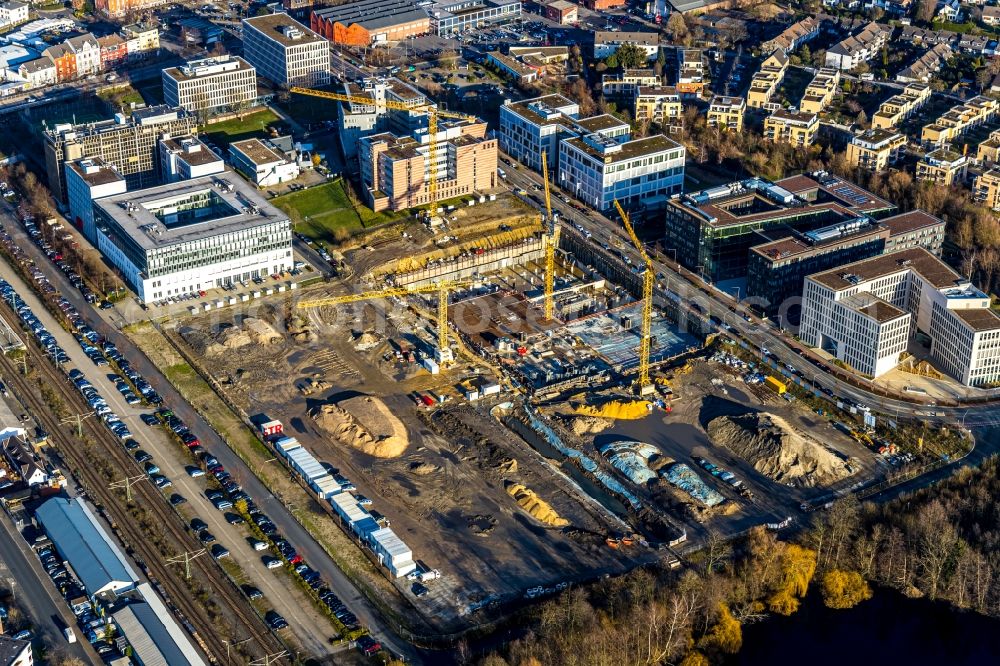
x=443 y=288
x=643 y=385
x=551 y=239
x=433 y=113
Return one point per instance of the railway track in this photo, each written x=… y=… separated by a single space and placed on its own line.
x=168 y=577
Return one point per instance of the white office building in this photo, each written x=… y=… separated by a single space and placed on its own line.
x=192 y=235
x=261 y=163
x=210 y=85
x=527 y=128
x=285 y=51
x=86 y=180
x=184 y=158
x=865 y=313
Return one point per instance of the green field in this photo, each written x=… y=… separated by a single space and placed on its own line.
x=321 y=212
x=121 y=96
x=251 y=126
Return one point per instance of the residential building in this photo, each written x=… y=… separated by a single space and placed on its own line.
x=141 y=40
x=794 y=36
x=64 y=59
x=15 y=653
x=865 y=314
x=452 y=17
x=988 y=151
x=88 y=179
x=856 y=49
x=943 y=166
x=210 y=85
x=991 y=15
x=114 y=51
x=660 y=105
x=875 y=149
x=950 y=11
x=726 y=113
x=599 y=169
x=625 y=82
x=766 y=80
x=561 y=11
x=184 y=158
x=285 y=51
x=88 y=54
x=529 y=127
x=526 y=63
x=261 y=164
x=603 y=5
x=606 y=43
x=986 y=189
x=958 y=120
x=192 y=235
x=38 y=72
x=820 y=91
x=395 y=169
x=128 y=142
x=367 y=22
x=511 y=67
x=927 y=65
x=690 y=72
x=119 y=8
x=12 y=13
x=713 y=230
x=798 y=129
x=900 y=107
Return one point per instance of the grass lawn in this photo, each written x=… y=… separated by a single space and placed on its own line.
x=121 y=96
x=251 y=126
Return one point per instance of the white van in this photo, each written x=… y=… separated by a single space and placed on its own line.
x=70 y=635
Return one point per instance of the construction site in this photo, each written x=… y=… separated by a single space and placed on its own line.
x=522 y=419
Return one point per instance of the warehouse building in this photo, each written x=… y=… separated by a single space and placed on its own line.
x=367 y=22
x=191 y=236
x=210 y=85
x=153 y=634
x=285 y=51
x=88 y=550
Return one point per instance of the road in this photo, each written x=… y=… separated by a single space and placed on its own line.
x=286 y=523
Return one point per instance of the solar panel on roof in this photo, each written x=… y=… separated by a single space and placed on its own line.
x=850 y=194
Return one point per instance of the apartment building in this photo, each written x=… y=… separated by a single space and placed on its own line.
x=285 y=51
x=986 y=189
x=690 y=72
x=659 y=104
x=511 y=67
x=119 y=8
x=13 y=13
x=261 y=163
x=126 y=142
x=395 y=170
x=357 y=119
x=875 y=149
x=625 y=82
x=794 y=36
x=900 y=107
x=766 y=80
x=714 y=229
x=726 y=113
x=924 y=68
x=798 y=129
x=856 y=49
x=86 y=180
x=958 y=120
x=865 y=314
x=943 y=166
x=38 y=72
x=820 y=91
x=184 y=158
x=14 y=652
x=210 y=85
x=192 y=235
x=368 y=22
x=562 y=12
x=988 y=152
x=141 y=39
x=606 y=43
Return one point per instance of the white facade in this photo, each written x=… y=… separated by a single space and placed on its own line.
x=210 y=84
x=285 y=51
x=88 y=54
x=12 y=13
x=606 y=43
x=262 y=165
x=394 y=555
x=527 y=128
x=186 y=158
x=86 y=180
x=39 y=72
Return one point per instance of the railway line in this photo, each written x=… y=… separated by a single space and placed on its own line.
x=169 y=578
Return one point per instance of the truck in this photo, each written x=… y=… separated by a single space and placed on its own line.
x=778 y=386
x=69 y=634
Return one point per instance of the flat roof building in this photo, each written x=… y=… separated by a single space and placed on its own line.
x=452 y=17
x=606 y=43
x=726 y=113
x=192 y=235
x=88 y=179
x=367 y=22
x=285 y=51
x=15 y=653
x=210 y=85
x=795 y=128
x=261 y=164
x=690 y=72
x=943 y=166
x=820 y=91
x=900 y=107
x=958 y=120
x=183 y=158
x=875 y=149
x=987 y=189
x=661 y=105
x=358 y=119
x=766 y=80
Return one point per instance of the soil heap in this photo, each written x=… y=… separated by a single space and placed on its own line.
x=617 y=409
x=538 y=508
x=587 y=425
x=777 y=450
x=365 y=423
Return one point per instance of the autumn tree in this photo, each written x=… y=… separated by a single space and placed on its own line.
x=726 y=636
x=677 y=27
x=926 y=9
x=844 y=589
x=797 y=565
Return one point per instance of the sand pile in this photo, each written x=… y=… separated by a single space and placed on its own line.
x=366 y=341
x=587 y=425
x=260 y=331
x=616 y=409
x=507 y=466
x=538 y=508
x=423 y=468
x=231 y=337
x=300 y=329
x=365 y=423
x=777 y=450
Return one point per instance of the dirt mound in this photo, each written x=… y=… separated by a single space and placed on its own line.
x=777 y=450
x=423 y=468
x=534 y=505
x=366 y=341
x=300 y=329
x=365 y=423
x=260 y=331
x=616 y=409
x=508 y=466
x=587 y=425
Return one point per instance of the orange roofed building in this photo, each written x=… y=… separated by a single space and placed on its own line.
x=367 y=22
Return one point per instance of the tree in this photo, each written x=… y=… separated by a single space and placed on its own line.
x=798 y=565
x=677 y=27
x=926 y=9
x=844 y=589
x=726 y=637
x=448 y=60
x=695 y=658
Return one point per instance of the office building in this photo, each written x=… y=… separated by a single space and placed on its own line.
x=875 y=149
x=211 y=85
x=128 y=142
x=192 y=235
x=856 y=49
x=726 y=113
x=820 y=91
x=954 y=123
x=452 y=17
x=531 y=126
x=511 y=67
x=987 y=189
x=713 y=230
x=395 y=169
x=766 y=80
x=606 y=43
x=690 y=72
x=88 y=179
x=184 y=158
x=368 y=22
x=797 y=129
x=865 y=314
x=358 y=119
x=794 y=36
x=285 y=51
x=562 y=12
x=943 y=166
x=659 y=104
x=898 y=108
x=261 y=163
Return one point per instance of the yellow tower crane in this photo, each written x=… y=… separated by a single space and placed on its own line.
x=442 y=288
x=432 y=123
x=551 y=239
x=643 y=385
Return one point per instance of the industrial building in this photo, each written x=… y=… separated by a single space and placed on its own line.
x=367 y=22
x=713 y=230
x=128 y=142
x=262 y=164
x=151 y=631
x=865 y=313
x=285 y=51
x=89 y=551
x=194 y=235
x=210 y=85
x=88 y=179
x=875 y=149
